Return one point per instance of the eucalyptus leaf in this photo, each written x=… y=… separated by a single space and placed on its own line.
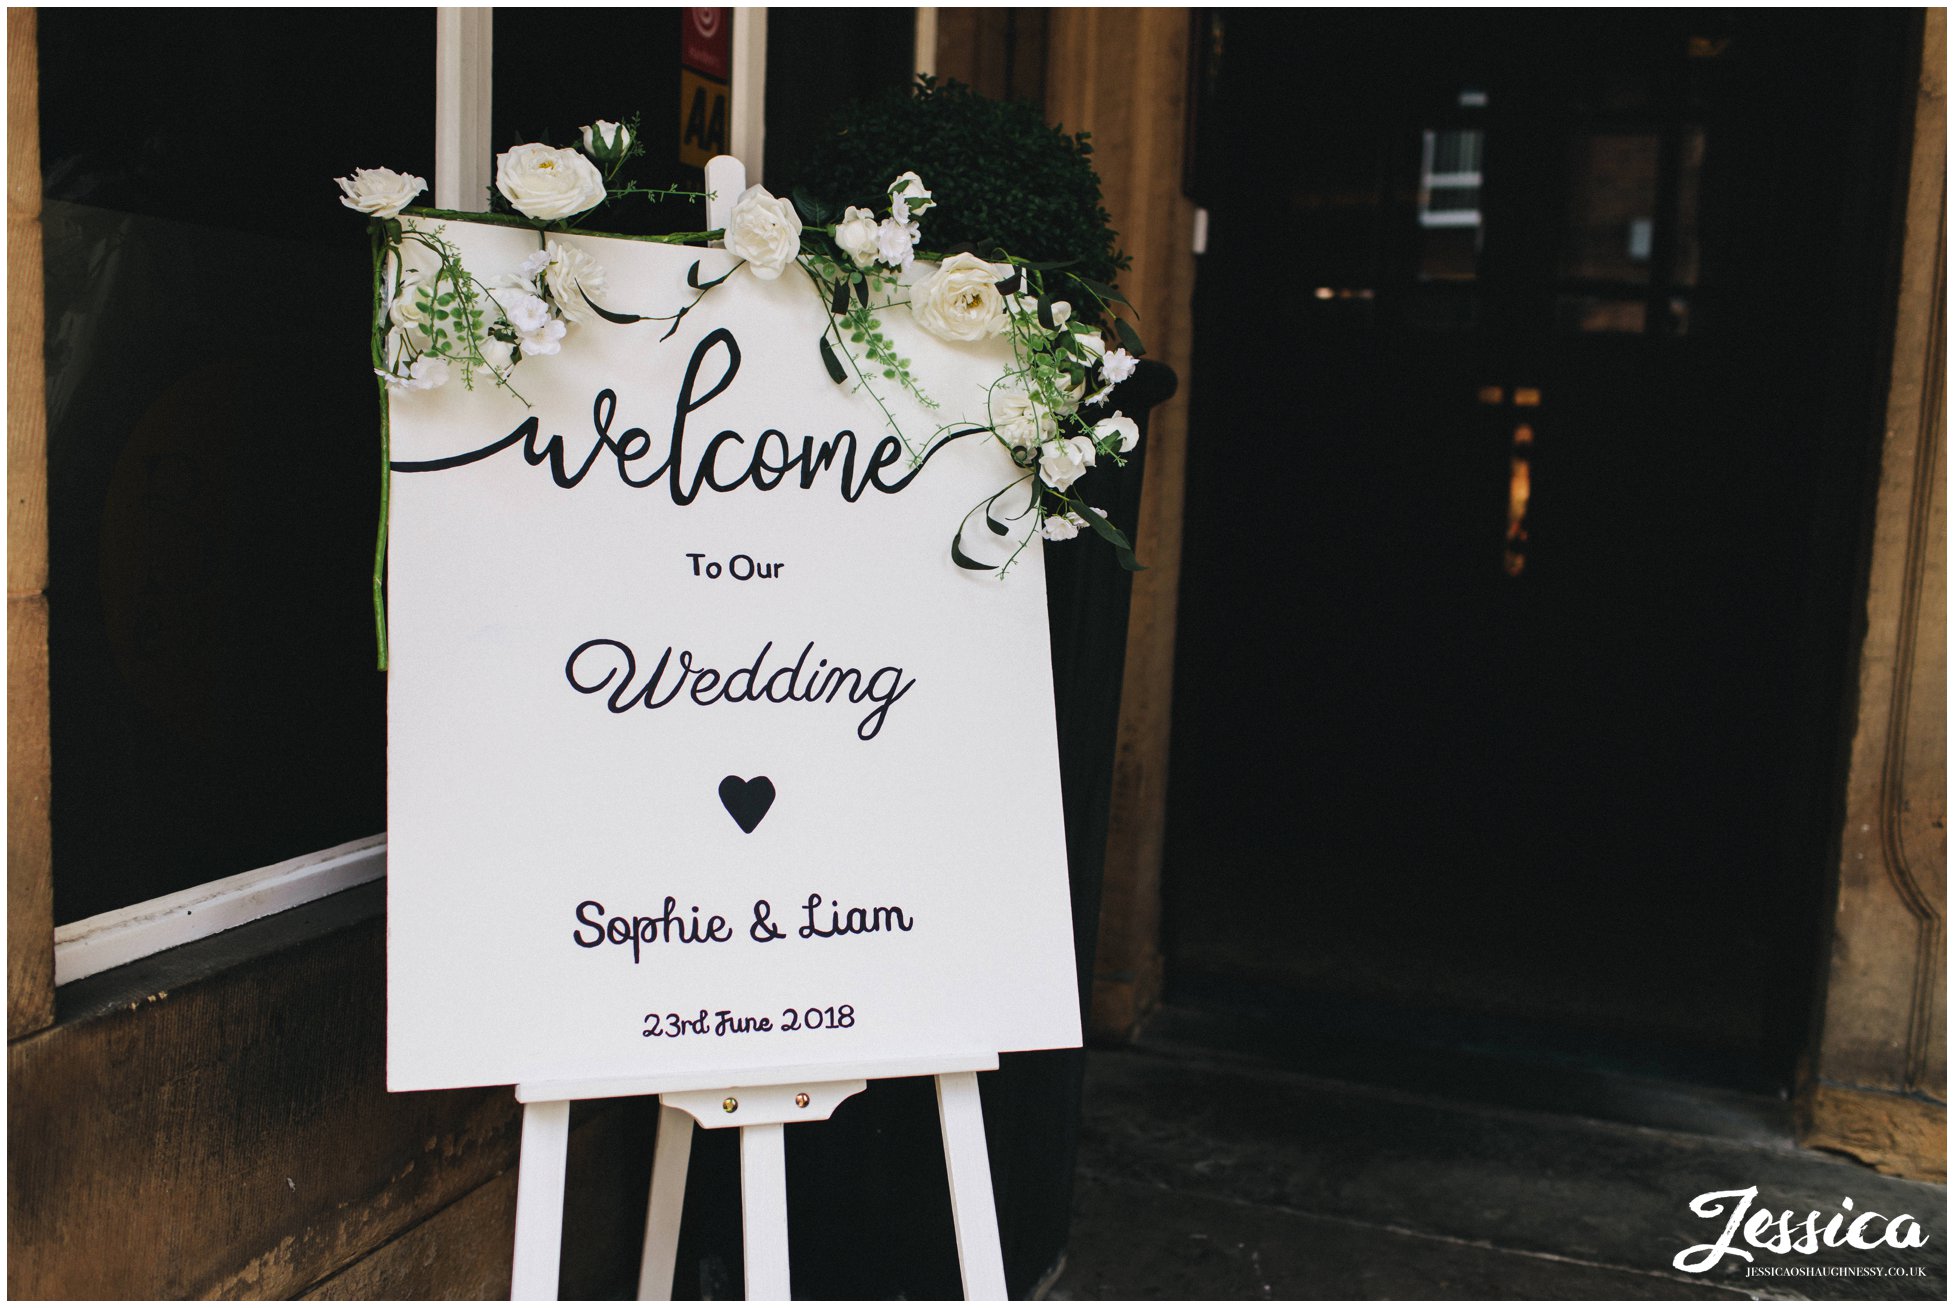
x=812 y=208
x=962 y=560
x=1106 y=531
x=606 y=314
x=1102 y=290
x=829 y=357
x=1128 y=337
x=692 y=278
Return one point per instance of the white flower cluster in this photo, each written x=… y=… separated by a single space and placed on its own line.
x=1034 y=409
x=443 y=322
x=440 y=322
x=891 y=241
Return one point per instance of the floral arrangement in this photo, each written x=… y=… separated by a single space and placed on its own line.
x=437 y=324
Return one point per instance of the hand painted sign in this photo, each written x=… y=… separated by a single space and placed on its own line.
x=703 y=755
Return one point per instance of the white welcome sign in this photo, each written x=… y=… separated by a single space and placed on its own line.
x=703 y=754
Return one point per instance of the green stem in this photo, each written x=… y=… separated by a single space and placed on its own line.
x=381 y=247
x=380 y=543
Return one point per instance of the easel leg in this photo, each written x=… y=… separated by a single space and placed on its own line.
x=668 y=1171
x=539 y=1199
x=763 y=1209
x=961 y=1112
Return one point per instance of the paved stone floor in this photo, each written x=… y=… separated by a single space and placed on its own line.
x=1206 y=1176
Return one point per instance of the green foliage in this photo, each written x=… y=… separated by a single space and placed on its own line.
x=1000 y=175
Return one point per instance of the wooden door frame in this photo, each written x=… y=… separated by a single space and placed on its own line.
x=1875 y=1078
x=30 y=867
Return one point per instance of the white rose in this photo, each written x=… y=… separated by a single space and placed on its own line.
x=1093 y=345
x=606 y=141
x=765 y=231
x=1019 y=420
x=896 y=243
x=959 y=301
x=908 y=197
x=424 y=374
x=544 y=182
x=1062 y=526
x=1028 y=305
x=381 y=192
x=413 y=309
x=1116 y=366
x=536 y=331
x=500 y=356
x=1120 y=426
x=1064 y=462
x=855 y=234
x=568 y=275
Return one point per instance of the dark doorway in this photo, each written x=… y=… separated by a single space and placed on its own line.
x=1536 y=392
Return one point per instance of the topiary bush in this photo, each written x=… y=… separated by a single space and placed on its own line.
x=1000 y=175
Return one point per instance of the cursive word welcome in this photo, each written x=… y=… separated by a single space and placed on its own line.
x=706 y=686
x=1773 y=1232
x=724 y=463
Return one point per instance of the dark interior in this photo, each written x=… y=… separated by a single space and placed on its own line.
x=1535 y=406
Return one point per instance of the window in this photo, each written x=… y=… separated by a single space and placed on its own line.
x=212 y=470
x=212 y=463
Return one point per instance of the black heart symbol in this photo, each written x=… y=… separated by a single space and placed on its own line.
x=747 y=801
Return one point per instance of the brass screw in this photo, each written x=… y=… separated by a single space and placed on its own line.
x=801 y=1100
x=730 y=1104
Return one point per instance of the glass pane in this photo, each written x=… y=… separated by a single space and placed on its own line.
x=1610 y=225
x=213 y=438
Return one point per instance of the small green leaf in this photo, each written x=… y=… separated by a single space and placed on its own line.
x=1128 y=337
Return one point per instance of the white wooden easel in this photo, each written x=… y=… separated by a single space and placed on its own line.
x=760 y=1104
x=761 y=1108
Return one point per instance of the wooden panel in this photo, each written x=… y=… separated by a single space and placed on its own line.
x=1880 y=1070
x=462 y=1252
x=228 y=1132
x=1000 y=53
x=1121 y=74
x=30 y=885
